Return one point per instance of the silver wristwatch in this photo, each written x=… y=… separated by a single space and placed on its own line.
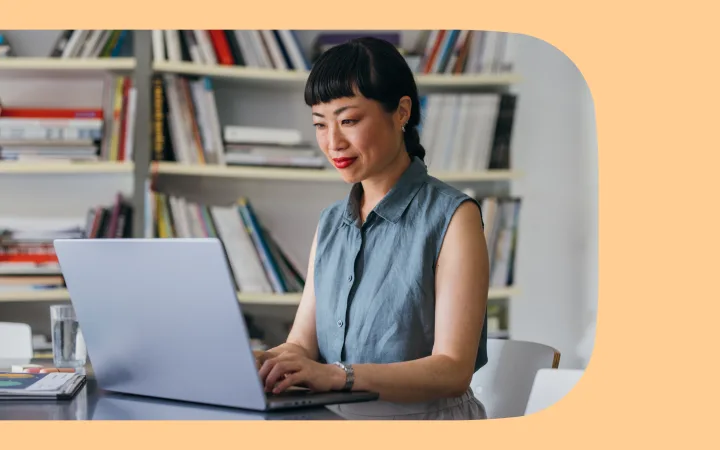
x=349 y=375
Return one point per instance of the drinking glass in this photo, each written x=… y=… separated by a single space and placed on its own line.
x=67 y=341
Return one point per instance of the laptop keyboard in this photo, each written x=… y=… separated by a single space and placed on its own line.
x=292 y=393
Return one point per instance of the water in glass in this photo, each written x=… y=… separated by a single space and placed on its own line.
x=67 y=341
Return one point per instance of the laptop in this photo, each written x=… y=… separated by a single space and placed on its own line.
x=161 y=318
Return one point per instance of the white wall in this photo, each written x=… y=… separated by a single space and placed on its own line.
x=554 y=146
x=590 y=299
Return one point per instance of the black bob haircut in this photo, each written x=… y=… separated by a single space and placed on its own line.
x=377 y=70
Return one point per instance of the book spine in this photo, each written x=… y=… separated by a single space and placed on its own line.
x=254 y=230
x=51 y=113
x=222 y=47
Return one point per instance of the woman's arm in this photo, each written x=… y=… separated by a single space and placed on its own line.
x=302 y=338
x=461 y=295
x=462 y=278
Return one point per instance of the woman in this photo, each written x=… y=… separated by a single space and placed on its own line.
x=396 y=289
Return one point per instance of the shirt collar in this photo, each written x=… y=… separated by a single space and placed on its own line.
x=396 y=201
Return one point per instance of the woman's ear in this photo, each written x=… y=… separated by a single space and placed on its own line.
x=404 y=109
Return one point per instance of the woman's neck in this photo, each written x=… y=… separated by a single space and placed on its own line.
x=376 y=187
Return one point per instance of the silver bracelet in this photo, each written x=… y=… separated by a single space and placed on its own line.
x=349 y=375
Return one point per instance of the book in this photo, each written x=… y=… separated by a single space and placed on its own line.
x=55 y=385
x=257 y=261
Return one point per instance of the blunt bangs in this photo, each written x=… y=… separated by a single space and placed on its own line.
x=340 y=72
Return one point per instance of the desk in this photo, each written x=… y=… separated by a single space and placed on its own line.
x=92 y=403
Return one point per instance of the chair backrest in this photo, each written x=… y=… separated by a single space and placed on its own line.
x=503 y=385
x=15 y=342
x=550 y=386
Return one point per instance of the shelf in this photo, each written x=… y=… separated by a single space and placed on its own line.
x=293 y=78
x=502 y=293
x=40 y=295
x=67 y=65
x=315 y=175
x=270 y=299
x=502 y=334
x=62 y=295
x=465 y=81
x=51 y=168
x=267 y=299
x=249 y=75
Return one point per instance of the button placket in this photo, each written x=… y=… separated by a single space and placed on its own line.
x=341 y=322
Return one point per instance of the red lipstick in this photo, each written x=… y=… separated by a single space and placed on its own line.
x=342 y=163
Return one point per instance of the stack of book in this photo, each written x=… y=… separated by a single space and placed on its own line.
x=258 y=263
x=27 y=255
x=501 y=216
x=267 y=49
x=50 y=134
x=463 y=51
x=40 y=386
x=185 y=122
x=440 y=51
x=468 y=131
x=186 y=129
x=434 y=52
x=109 y=221
x=92 y=44
x=104 y=133
x=272 y=147
x=119 y=107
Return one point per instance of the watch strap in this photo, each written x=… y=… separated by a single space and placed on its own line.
x=349 y=375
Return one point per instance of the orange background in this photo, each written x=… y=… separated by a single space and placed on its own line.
x=653 y=74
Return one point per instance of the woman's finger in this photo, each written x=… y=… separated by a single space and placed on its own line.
x=266 y=367
x=279 y=371
x=270 y=362
x=292 y=379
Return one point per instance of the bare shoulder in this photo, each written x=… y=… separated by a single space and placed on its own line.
x=466 y=223
x=467 y=215
x=465 y=235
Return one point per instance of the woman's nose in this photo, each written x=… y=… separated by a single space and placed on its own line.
x=336 y=139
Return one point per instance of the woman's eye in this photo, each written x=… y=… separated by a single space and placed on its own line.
x=318 y=125
x=349 y=122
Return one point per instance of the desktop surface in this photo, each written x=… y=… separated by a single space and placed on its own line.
x=92 y=403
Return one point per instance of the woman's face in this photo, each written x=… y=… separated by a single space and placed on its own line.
x=358 y=136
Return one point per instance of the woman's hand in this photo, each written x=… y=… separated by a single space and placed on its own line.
x=262 y=356
x=291 y=369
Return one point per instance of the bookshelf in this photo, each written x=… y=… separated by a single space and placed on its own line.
x=142 y=68
x=51 y=66
x=66 y=168
x=265 y=173
x=271 y=78
x=292 y=299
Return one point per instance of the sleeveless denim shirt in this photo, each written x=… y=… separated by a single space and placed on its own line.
x=375 y=281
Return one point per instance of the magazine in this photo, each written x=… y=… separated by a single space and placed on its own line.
x=55 y=385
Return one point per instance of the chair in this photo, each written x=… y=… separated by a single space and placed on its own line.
x=15 y=344
x=503 y=385
x=550 y=386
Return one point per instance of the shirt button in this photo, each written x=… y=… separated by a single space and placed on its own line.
x=340 y=323
x=350 y=278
